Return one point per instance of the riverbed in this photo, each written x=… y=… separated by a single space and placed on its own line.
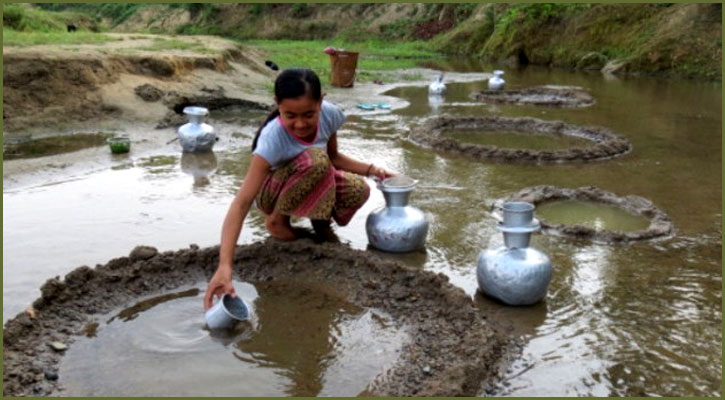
x=638 y=319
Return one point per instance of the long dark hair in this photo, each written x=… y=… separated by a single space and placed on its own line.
x=292 y=83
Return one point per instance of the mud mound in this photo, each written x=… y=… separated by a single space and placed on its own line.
x=211 y=99
x=549 y=95
x=606 y=144
x=452 y=349
x=51 y=87
x=660 y=224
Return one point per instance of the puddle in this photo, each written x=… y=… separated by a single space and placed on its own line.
x=590 y=214
x=48 y=146
x=596 y=214
x=300 y=342
x=591 y=143
x=549 y=95
x=516 y=140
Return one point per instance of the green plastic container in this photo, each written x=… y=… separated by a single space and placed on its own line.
x=119 y=145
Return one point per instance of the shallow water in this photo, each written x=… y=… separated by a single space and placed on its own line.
x=298 y=342
x=517 y=140
x=591 y=215
x=629 y=320
x=15 y=148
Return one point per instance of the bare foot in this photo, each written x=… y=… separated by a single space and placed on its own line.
x=279 y=227
x=324 y=232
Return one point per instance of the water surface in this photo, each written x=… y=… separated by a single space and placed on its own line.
x=299 y=342
x=590 y=214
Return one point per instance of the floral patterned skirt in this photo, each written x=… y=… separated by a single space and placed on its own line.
x=310 y=186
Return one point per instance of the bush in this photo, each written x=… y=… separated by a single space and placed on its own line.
x=14 y=17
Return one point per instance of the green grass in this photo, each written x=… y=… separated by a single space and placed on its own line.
x=12 y=37
x=116 y=12
x=374 y=55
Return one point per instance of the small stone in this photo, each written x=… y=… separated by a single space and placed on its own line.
x=142 y=253
x=58 y=346
x=426 y=370
x=51 y=375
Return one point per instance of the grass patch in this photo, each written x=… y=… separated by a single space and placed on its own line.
x=374 y=55
x=12 y=37
x=116 y=12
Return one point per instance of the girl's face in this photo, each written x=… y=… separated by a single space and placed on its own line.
x=300 y=115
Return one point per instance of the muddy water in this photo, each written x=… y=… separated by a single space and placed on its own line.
x=517 y=140
x=590 y=214
x=640 y=319
x=299 y=342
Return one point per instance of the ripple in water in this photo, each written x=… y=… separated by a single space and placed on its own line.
x=300 y=341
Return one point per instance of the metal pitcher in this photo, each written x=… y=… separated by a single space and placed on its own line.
x=398 y=227
x=496 y=82
x=196 y=136
x=515 y=273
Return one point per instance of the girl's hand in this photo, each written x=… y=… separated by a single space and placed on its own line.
x=380 y=172
x=219 y=284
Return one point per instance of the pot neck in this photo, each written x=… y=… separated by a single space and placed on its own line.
x=196 y=119
x=516 y=240
x=397 y=198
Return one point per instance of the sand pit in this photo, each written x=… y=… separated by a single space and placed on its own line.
x=548 y=95
x=660 y=223
x=453 y=350
x=605 y=144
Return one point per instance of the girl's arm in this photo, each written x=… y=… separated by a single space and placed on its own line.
x=345 y=163
x=221 y=282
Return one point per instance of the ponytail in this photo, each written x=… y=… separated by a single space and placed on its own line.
x=270 y=117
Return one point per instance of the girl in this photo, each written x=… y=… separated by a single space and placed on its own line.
x=295 y=170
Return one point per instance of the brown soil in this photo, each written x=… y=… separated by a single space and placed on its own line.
x=660 y=223
x=50 y=87
x=454 y=349
x=555 y=96
x=606 y=144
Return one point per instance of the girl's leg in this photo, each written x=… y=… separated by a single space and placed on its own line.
x=351 y=192
x=305 y=187
x=279 y=226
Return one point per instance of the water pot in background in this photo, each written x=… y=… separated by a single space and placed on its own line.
x=196 y=136
x=496 y=82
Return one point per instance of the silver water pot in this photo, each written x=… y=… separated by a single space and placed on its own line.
x=515 y=273
x=196 y=136
x=496 y=82
x=398 y=227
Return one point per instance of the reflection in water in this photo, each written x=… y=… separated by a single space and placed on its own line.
x=522 y=321
x=317 y=341
x=435 y=101
x=592 y=265
x=199 y=166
